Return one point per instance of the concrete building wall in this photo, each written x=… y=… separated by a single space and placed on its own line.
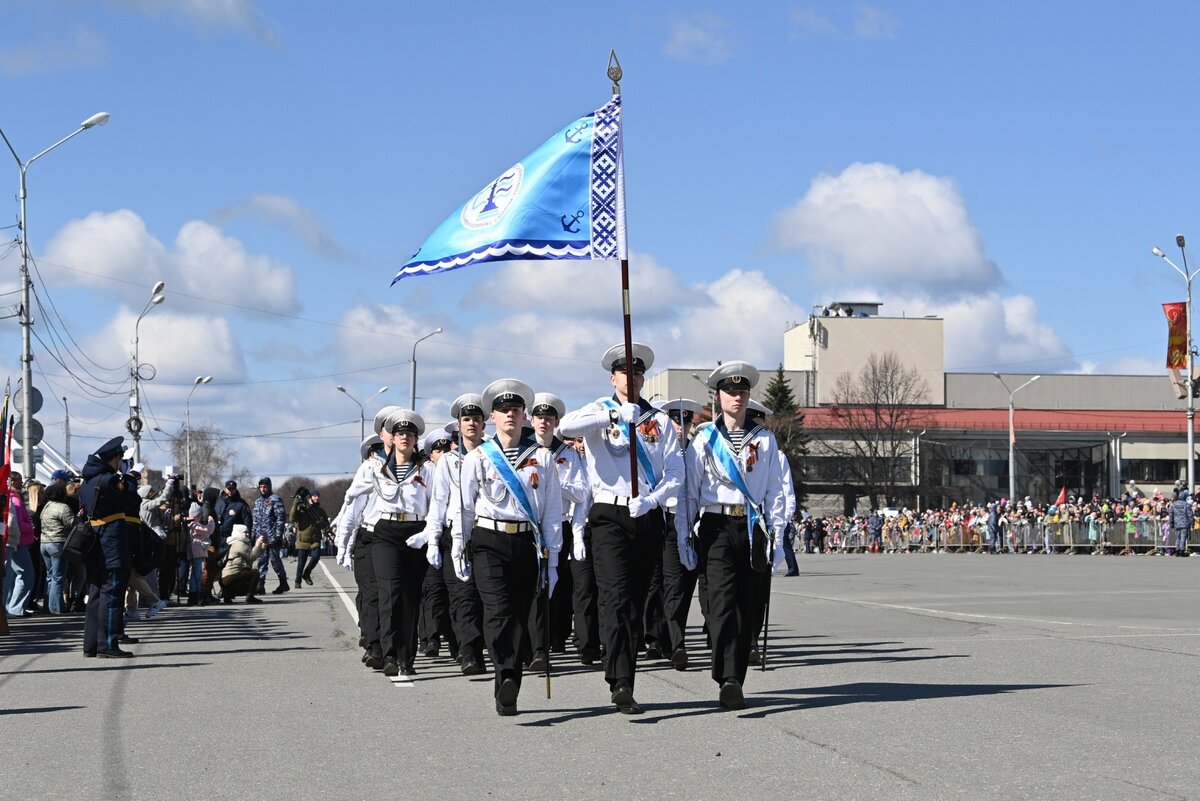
x=1139 y=392
x=836 y=346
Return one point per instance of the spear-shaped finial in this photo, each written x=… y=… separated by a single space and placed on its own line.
x=614 y=71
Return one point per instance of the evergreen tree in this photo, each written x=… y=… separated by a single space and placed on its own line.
x=787 y=423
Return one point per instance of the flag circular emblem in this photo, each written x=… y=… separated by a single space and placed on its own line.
x=489 y=204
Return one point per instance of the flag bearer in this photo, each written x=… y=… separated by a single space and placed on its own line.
x=626 y=531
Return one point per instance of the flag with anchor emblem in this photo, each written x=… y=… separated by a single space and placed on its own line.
x=565 y=200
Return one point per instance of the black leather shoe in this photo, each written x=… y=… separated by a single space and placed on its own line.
x=754 y=656
x=506 y=698
x=731 y=696
x=473 y=669
x=226 y=599
x=538 y=664
x=653 y=651
x=407 y=670
x=125 y=638
x=622 y=698
x=432 y=648
x=373 y=661
x=89 y=654
x=307 y=580
x=679 y=659
x=588 y=657
x=299 y=583
x=115 y=653
x=250 y=599
x=390 y=667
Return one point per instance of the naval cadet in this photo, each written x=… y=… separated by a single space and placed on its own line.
x=435 y=599
x=510 y=491
x=399 y=485
x=626 y=529
x=735 y=490
x=466 y=610
x=679 y=583
x=111 y=502
x=356 y=535
x=545 y=414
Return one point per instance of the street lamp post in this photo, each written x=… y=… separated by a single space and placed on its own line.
x=1191 y=356
x=362 y=414
x=413 y=382
x=134 y=423
x=1012 y=436
x=26 y=319
x=187 y=422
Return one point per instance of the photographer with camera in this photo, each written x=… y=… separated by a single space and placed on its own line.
x=311 y=523
x=177 y=502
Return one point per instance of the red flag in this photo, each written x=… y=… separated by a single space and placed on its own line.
x=1176 y=334
x=1062 y=497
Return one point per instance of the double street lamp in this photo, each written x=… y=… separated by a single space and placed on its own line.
x=1012 y=436
x=1191 y=356
x=187 y=417
x=362 y=414
x=26 y=320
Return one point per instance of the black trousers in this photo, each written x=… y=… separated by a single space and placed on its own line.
x=399 y=572
x=367 y=598
x=654 y=620
x=679 y=584
x=624 y=553
x=435 y=609
x=506 y=574
x=560 y=606
x=105 y=620
x=724 y=558
x=466 y=610
x=583 y=598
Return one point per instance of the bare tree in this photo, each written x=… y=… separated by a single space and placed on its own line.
x=875 y=414
x=787 y=423
x=211 y=458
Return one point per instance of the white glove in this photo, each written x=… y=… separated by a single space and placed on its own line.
x=461 y=568
x=628 y=412
x=418 y=540
x=687 y=554
x=777 y=556
x=640 y=504
x=551 y=580
x=433 y=554
x=579 y=548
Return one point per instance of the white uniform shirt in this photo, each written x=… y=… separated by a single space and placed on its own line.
x=608 y=450
x=572 y=477
x=387 y=495
x=759 y=462
x=789 y=488
x=484 y=493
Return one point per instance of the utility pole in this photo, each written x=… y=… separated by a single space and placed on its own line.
x=67 y=427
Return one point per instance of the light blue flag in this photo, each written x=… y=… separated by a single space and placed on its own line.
x=565 y=200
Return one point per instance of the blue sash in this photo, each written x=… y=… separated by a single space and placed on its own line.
x=511 y=480
x=643 y=455
x=725 y=458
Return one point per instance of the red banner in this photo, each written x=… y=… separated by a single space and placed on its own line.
x=1176 y=334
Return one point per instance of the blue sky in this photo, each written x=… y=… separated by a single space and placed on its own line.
x=1007 y=167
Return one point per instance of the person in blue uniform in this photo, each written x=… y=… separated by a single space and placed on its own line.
x=111 y=502
x=510 y=492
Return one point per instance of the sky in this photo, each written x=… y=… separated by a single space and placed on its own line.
x=1007 y=167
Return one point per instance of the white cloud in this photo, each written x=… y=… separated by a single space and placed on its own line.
x=807 y=22
x=655 y=289
x=991 y=332
x=875 y=224
x=81 y=48
x=702 y=38
x=873 y=23
x=105 y=249
x=179 y=346
x=238 y=15
x=287 y=214
x=1126 y=365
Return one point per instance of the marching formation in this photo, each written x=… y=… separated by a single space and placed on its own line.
x=507 y=546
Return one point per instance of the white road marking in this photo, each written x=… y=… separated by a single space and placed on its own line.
x=397 y=681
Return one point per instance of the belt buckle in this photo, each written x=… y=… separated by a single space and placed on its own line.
x=737 y=510
x=509 y=527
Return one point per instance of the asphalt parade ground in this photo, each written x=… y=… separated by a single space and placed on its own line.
x=923 y=676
